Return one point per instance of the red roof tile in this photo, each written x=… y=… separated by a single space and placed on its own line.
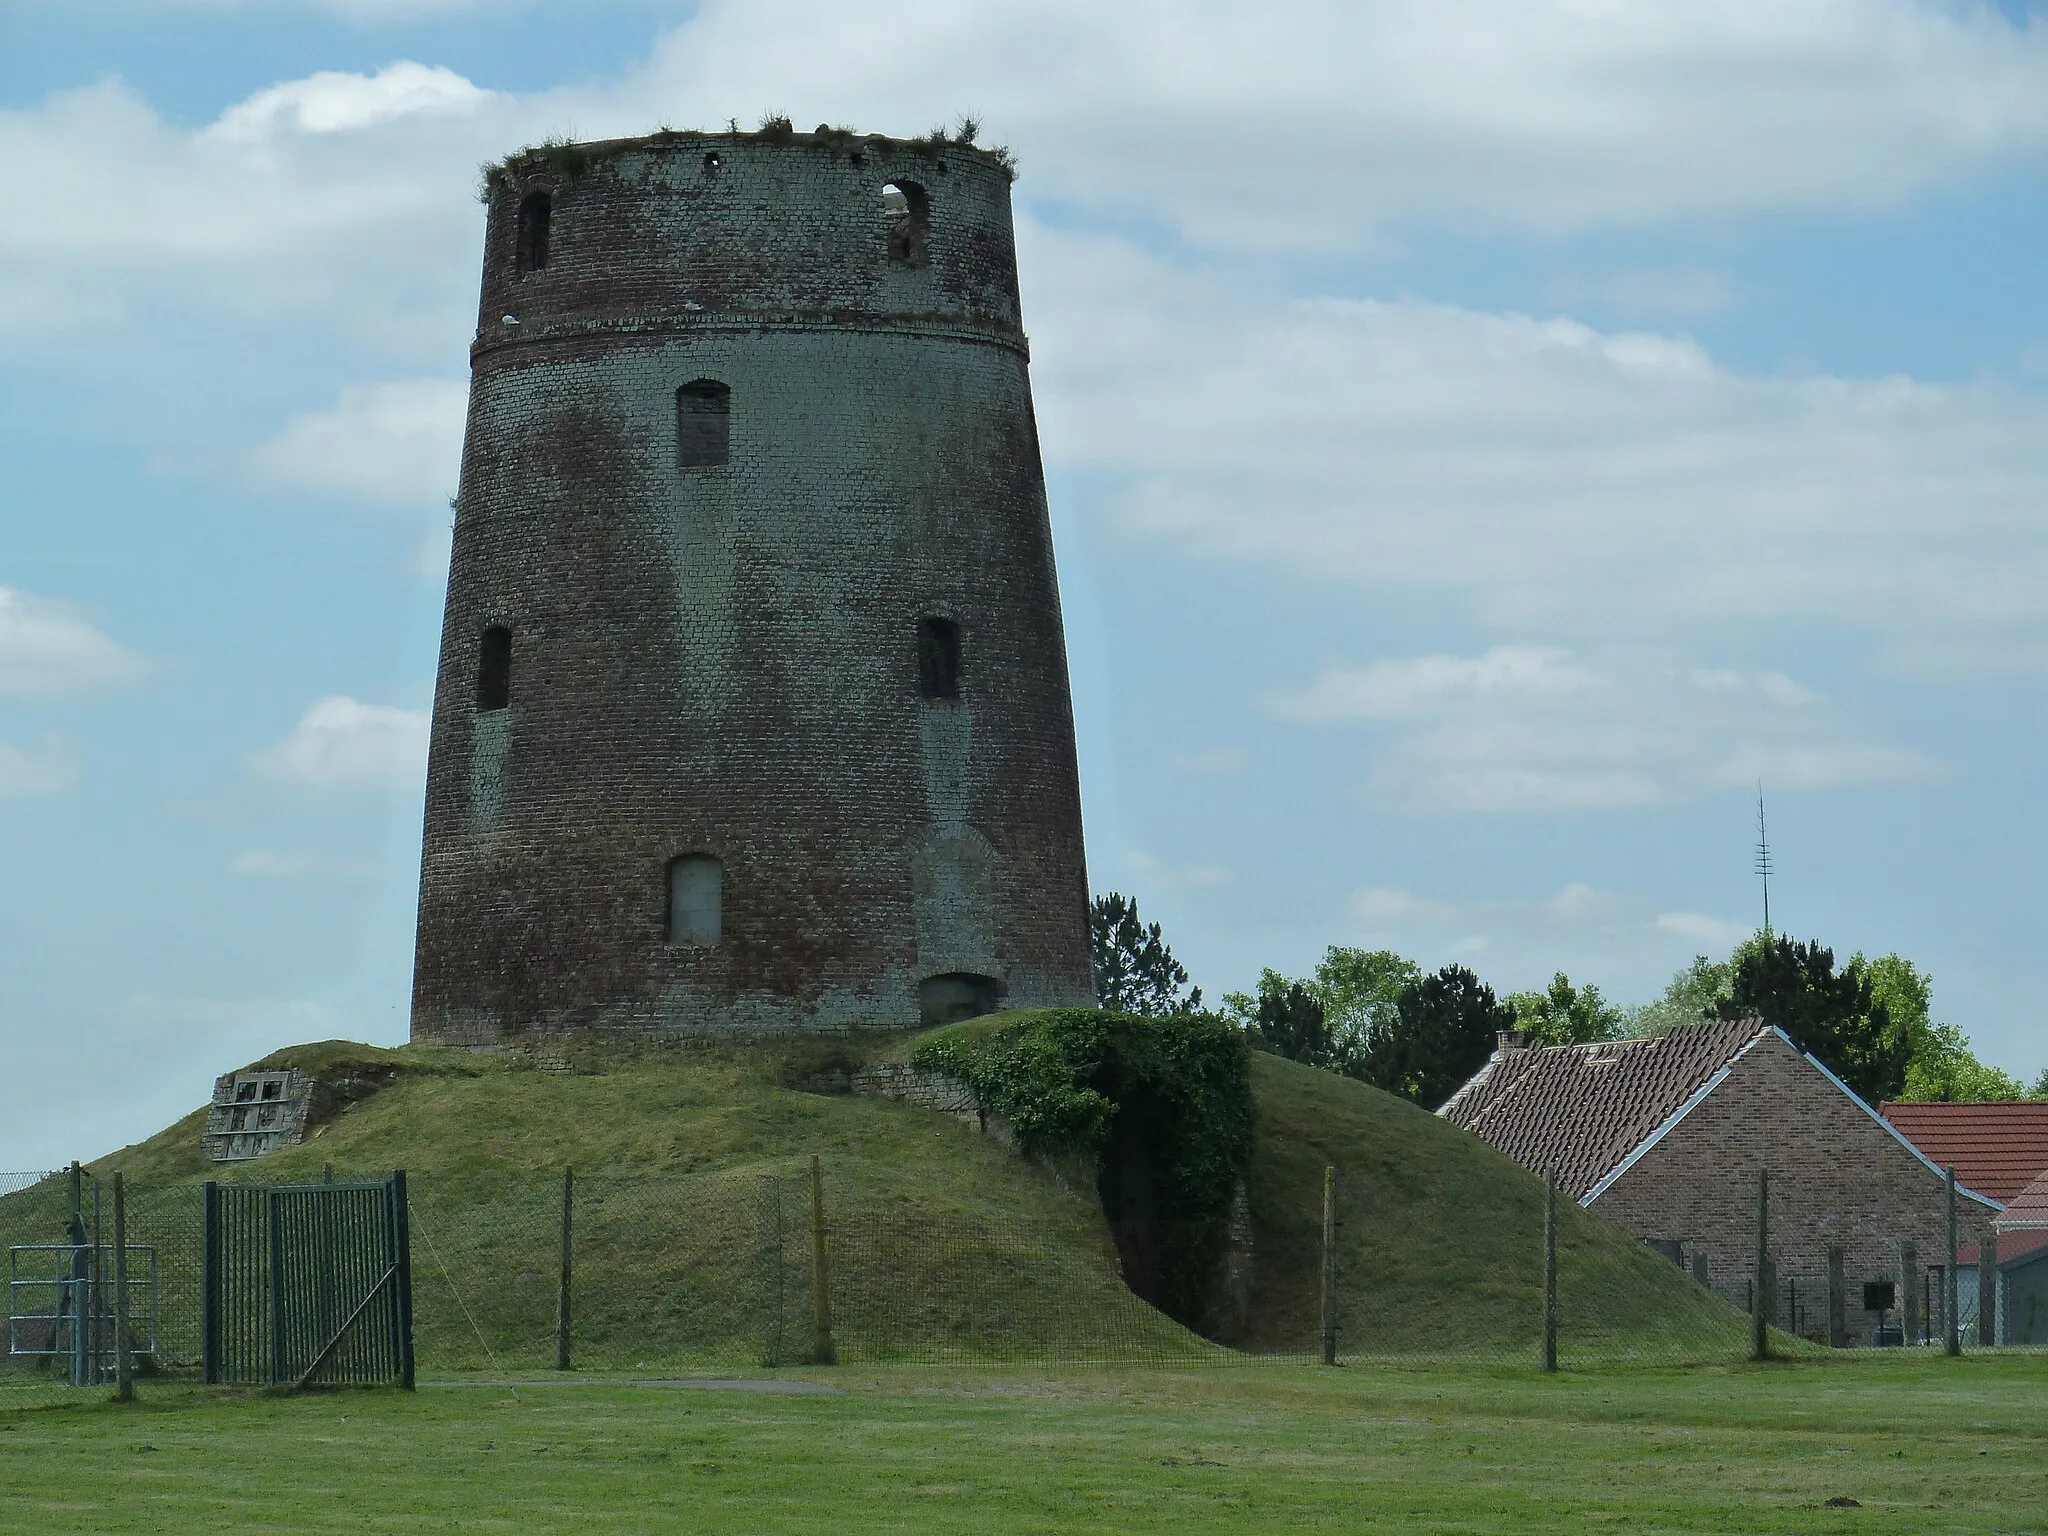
x=1581 y=1109
x=1995 y=1149
x=2028 y=1208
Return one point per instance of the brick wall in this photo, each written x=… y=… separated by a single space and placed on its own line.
x=1838 y=1178
x=724 y=660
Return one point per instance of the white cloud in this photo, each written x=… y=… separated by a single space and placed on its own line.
x=1711 y=931
x=1541 y=472
x=48 y=650
x=395 y=442
x=1313 y=124
x=342 y=744
x=336 y=102
x=1186 y=877
x=1309 y=126
x=27 y=772
x=263 y=864
x=1524 y=728
x=1381 y=905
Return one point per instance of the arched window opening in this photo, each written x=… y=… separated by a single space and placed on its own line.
x=494 y=668
x=938 y=657
x=703 y=425
x=536 y=211
x=909 y=213
x=696 y=900
x=957 y=995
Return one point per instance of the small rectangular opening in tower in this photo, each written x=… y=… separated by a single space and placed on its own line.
x=494 y=669
x=703 y=425
x=938 y=657
x=536 y=213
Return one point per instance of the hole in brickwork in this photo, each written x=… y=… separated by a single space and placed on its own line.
x=536 y=213
x=494 y=668
x=957 y=995
x=696 y=899
x=712 y=162
x=938 y=657
x=703 y=425
x=909 y=215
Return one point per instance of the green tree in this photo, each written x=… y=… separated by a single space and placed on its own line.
x=2040 y=1088
x=1443 y=1032
x=1566 y=1015
x=1135 y=971
x=1944 y=1069
x=1361 y=995
x=1290 y=1020
x=1689 y=997
x=1829 y=1013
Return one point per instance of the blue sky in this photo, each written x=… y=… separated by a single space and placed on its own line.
x=1485 y=440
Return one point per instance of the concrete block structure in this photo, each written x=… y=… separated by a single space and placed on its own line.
x=752 y=713
x=1666 y=1136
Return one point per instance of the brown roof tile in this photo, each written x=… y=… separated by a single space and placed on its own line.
x=1581 y=1109
x=1995 y=1149
x=2027 y=1209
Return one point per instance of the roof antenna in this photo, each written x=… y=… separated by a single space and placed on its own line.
x=1763 y=857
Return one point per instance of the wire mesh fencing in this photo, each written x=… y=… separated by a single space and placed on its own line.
x=523 y=1272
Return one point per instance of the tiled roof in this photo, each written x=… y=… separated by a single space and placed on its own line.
x=2029 y=1208
x=1995 y=1149
x=1581 y=1109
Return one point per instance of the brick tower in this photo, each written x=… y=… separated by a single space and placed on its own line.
x=752 y=712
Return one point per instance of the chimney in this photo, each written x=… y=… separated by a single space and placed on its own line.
x=1506 y=1040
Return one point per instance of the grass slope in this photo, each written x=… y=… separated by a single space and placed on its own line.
x=1920 y=1444
x=1440 y=1241
x=692 y=1221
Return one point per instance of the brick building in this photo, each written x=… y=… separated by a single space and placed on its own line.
x=752 y=712
x=1666 y=1136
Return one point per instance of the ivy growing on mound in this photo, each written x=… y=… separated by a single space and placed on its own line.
x=1159 y=1108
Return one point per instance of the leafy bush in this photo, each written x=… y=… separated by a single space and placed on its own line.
x=1111 y=1089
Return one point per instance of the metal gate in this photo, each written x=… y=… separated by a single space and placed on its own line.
x=308 y=1283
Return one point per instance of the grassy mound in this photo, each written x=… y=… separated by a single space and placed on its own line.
x=1439 y=1242
x=693 y=1237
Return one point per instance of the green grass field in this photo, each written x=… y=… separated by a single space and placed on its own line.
x=946 y=1246
x=1922 y=1444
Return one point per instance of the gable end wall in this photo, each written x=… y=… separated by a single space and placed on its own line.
x=1838 y=1177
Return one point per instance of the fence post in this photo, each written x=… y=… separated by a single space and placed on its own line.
x=1328 y=1334
x=562 y=1295
x=209 y=1285
x=1838 y=1300
x=1761 y=1285
x=1910 y=1321
x=124 y=1367
x=1951 y=1329
x=401 y=1230
x=1987 y=1286
x=823 y=1351
x=1550 y=1270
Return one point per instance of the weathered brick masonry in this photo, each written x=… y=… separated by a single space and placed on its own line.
x=1666 y=1136
x=721 y=660
x=1839 y=1177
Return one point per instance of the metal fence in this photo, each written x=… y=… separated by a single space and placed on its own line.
x=655 y=1274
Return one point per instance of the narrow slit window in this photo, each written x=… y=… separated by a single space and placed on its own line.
x=703 y=425
x=536 y=212
x=494 y=669
x=908 y=213
x=696 y=900
x=938 y=657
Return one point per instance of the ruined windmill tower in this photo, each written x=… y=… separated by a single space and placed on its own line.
x=752 y=712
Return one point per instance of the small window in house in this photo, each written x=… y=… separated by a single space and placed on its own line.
x=536 y=210
x=938 y=657
x=909 y=215
x=703 y=425
x=494 y=668
x=696 y=899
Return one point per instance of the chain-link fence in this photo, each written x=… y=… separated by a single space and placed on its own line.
x=659 y=1274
